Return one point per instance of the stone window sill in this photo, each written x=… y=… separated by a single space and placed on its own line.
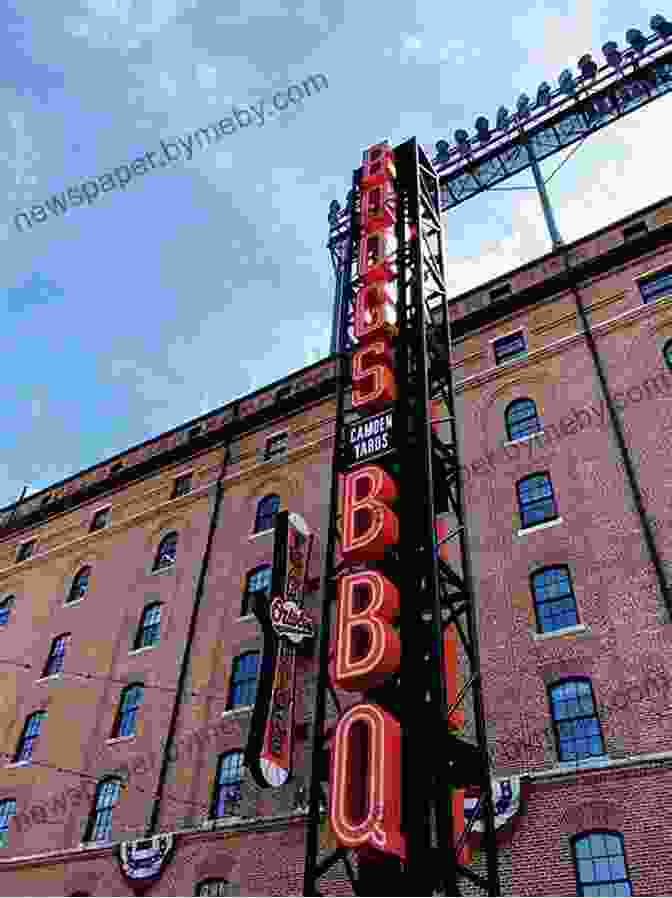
x=116 y=739
x=163 y=570
x=564 y=631
x=143 y=648
x=543 y=526
x=525 y=439
x=74 y=602
x=246 y=617
x=54 y=676
x=261 y=533
x=235 y=711
x=26 y=763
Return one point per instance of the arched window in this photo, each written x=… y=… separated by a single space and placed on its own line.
x=214 y=887
x=80 y=584
x=521 y=418
x=31 y=731
x=167 y=552
x=5 y=610
x=226 y=793
x=599 y=860
x=150 y=624
x=536 y=502
x=257 y=583
x=267 y=509
x=100 y=822
x=554 y=602
x=243 y=689
x=7 y=810
x=667 y=353
x=577 y=728
x=56 y=655
x=131 y=699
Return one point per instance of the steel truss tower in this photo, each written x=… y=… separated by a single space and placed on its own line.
x=435 y=594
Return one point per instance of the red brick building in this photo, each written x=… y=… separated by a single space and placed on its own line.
x=125 y=596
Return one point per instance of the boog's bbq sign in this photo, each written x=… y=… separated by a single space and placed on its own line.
x=365 y=798
x=365 y=778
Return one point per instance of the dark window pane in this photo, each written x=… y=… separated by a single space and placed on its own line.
x=6 y=610
x=100 y=519
x=80 y=585
x=25 y=550
x=522 y=419
x=258 y=584
x=244 y=680
x=267 y=509
x=509 y=347
x=656 y=286
x=535 y=500
x=182 y=485
x=600 y=865
x=31 y=732
x=167 y=552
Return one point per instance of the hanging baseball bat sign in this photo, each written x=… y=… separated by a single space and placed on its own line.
x=284 y=623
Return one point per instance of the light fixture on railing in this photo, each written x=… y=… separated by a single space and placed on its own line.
x=661 y=26
x=566 y=82
x=462 y=140
x=588 y=66
x=523 y=106
x=544 y=94
x=612 y=54
x=482 y=129
x=636 y=39
x=442 y=149
x=502 y=118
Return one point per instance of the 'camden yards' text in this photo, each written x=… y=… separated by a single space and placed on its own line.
x=372 y=436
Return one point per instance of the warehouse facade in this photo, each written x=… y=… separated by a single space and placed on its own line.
x=130 y=655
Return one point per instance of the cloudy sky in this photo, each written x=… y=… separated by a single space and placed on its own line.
x=208 y=278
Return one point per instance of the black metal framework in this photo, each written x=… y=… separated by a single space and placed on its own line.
x=434 y=594
x=558 y=121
